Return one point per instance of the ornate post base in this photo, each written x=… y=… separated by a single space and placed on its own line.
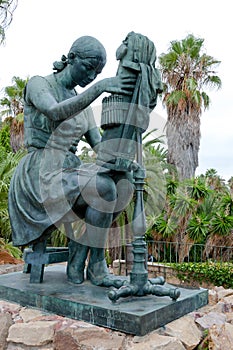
x=139 y=284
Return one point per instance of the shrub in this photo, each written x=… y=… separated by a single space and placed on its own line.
x=217 y=273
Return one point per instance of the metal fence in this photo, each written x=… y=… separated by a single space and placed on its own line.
x=174 y=252
x=162 y=252
x=159 y=254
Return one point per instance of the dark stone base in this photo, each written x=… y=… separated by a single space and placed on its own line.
x=89 y=303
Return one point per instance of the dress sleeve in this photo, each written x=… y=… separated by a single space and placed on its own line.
x=36 y=86
x=39 y=93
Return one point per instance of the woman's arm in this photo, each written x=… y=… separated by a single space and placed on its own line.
x=42 y=98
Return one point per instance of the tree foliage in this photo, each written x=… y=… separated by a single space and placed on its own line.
x=197 y=210
x=8 y=162
x=12 y=102
x=12 y=108
x=7 y=8
x=186 y=73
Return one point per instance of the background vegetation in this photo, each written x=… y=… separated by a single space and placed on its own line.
x=180 y=207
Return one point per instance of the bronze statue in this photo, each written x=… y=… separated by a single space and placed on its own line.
x=51 y=186
x=45 y=189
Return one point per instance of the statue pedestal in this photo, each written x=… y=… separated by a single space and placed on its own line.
x=89 y=303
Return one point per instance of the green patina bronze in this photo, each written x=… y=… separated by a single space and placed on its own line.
x=51 y=186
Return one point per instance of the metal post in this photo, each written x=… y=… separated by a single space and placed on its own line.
x=139 y=284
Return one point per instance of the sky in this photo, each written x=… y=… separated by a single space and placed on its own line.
x=43 y=30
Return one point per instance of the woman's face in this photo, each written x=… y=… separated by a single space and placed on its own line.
x=84 y=71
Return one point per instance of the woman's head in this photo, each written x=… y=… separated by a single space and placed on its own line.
x=88 y=47
x=85 y=47
x=85 y=61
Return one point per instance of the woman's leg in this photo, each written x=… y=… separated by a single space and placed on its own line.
x=101 y=198
x=98 y=218
x=115 y=191
x=76 y=261
x=96 y=203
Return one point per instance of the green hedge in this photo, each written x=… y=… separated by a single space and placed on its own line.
x=218 y=274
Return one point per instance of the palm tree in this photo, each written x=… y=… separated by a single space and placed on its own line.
x=186 y=217
x=12 y=107
x=221 y=226
x=8 y=162
x=7 y=8
x=154 y=160
x=12 y=102
x=214 y=180
x=198 y=210
x=230 y=184
x=5 y=135
x=185 y=73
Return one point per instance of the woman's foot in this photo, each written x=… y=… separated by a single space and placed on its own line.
x=74 y=275
x=99 y=275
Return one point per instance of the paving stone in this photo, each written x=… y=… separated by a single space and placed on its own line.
x=210 y=319
x=157 y=342
x=32 y=334
x=5 y=323
x=221 y=337
x=30 y=314
x=186 y=331
x=6 y=306
x=97 y=338
x=64 y=340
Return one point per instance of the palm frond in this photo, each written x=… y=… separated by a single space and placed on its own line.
x=221 y=224
x=213 y=82
x=198 y=227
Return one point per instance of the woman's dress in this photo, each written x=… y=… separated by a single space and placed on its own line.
x=48 y=180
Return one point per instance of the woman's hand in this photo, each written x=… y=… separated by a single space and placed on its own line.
x=120 y=85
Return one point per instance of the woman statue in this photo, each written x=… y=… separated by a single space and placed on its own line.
x=51 y=185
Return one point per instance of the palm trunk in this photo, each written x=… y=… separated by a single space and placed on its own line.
x=17 y=135
x=183 y=140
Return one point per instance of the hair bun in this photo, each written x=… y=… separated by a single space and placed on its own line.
x=60 y=65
